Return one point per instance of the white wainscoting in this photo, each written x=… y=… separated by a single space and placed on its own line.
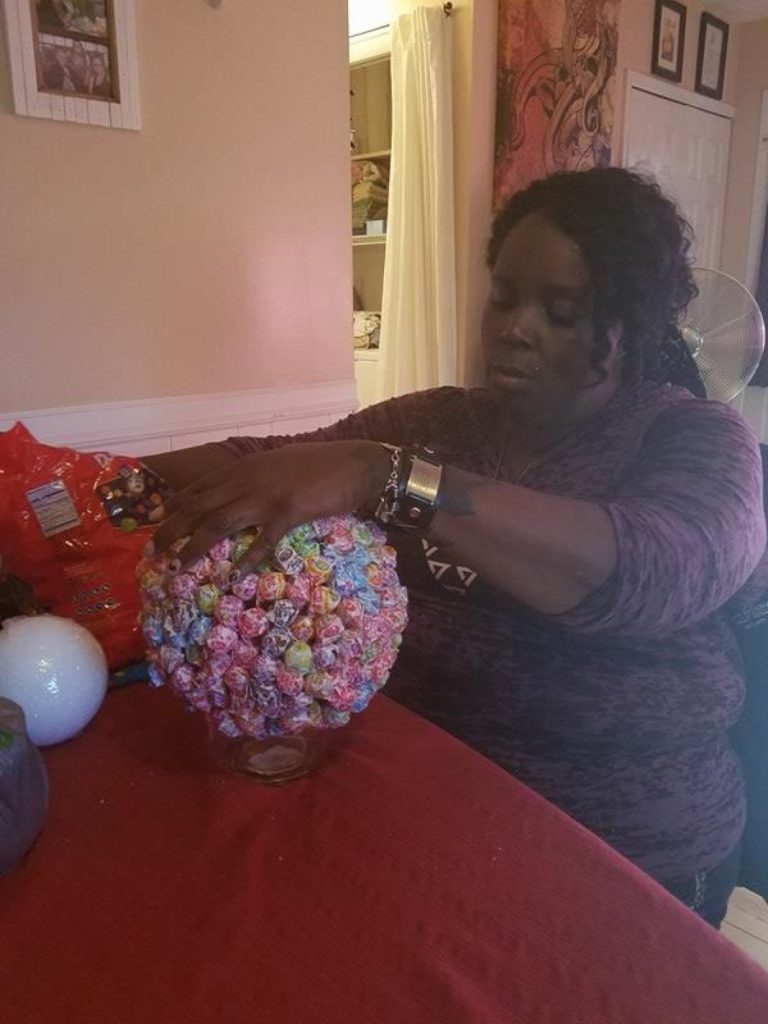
x=164 y=424
x=366 y=371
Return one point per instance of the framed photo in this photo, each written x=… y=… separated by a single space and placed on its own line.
x=712 y=53
x=75 y=48
x=668 y=40
x=74 y=60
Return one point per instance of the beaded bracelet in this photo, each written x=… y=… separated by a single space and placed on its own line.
x=390 y=496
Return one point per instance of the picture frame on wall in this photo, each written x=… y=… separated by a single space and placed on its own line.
x=711 y=56
x=74 y=60
x=668 y=40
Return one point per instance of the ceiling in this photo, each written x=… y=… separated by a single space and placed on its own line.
x=735 y=11
x=365 y=15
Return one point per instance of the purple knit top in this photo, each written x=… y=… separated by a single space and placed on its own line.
x=618 y=711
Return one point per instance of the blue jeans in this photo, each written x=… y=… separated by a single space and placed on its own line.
x=708 y=892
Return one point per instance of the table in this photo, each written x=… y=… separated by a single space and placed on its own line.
x=408 y=880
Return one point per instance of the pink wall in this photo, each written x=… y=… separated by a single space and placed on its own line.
x=208 y=252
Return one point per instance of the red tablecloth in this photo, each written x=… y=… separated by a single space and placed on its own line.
x=407 y=881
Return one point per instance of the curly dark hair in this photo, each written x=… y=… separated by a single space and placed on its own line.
x=636 y=244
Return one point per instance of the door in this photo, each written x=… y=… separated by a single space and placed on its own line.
x=686 y=148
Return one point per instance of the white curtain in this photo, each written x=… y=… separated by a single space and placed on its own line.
x=418 y=346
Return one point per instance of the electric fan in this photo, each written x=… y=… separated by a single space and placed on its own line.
x=724 y=330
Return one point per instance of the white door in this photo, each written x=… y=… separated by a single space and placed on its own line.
x=686 y=148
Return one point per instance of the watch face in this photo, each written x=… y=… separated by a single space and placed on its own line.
x=424 y=481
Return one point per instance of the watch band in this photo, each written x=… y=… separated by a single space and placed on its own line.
x=420 y=496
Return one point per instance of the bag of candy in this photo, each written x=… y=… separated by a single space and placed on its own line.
x=73 y=526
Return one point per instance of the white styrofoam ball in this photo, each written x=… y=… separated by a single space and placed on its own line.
x=56 y=671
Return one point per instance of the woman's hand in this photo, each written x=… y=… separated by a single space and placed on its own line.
x=275 y=491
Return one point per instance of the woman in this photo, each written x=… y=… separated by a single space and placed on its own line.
x=98 y=79
x=567 y=586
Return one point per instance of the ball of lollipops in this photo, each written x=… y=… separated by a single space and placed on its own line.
x=304 y=641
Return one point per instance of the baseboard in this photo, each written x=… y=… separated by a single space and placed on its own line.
x=162 y=424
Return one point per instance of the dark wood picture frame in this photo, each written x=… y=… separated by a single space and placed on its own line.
x=92 y=45
x=668 y=39
x=710 y=80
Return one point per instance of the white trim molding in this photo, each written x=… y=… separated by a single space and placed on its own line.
x=370 y=46
x=165 y=424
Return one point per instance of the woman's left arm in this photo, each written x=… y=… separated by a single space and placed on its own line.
x=548 y=552
x=689 y=523
x=679 y=539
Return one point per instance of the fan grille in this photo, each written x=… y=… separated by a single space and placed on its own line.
x=725 y=332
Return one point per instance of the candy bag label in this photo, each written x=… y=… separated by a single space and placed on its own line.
x=53 y=507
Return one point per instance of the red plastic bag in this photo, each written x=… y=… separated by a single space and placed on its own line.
x=73 y=525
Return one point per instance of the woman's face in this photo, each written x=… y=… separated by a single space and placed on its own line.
x=537 y=329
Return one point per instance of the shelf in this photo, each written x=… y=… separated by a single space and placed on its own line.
x=369 y=240
x=371 y=156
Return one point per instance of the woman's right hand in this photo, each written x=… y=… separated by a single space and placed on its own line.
x=274 y=491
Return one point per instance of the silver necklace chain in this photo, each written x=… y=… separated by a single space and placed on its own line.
x=502 y=454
